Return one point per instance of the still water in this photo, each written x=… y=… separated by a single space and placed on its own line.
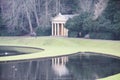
x=79 y=66
x=17 y=50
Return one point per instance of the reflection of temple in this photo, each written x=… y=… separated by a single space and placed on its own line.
x=59 y=65
x=60 y=60
x=58 y=23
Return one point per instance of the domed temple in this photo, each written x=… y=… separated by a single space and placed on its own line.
x=58 y=23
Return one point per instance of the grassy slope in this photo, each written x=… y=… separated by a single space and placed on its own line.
x=61 y=46
x=114 y=77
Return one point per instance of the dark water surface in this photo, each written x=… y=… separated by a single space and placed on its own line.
x=80 y=66
x=17 y=50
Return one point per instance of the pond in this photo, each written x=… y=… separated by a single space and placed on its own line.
x=79 y=66
x=17 y=50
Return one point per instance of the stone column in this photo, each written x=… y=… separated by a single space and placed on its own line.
x=62 y=29
x=52 y=29
x=58 y=31
x=55 y=29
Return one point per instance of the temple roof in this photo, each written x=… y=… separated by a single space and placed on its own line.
x=62 y=18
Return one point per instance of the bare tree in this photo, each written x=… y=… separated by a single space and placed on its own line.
x=29 y=15
x=15 y=13
x=99 y=8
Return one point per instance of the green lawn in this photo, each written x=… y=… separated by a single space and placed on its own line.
x=114 y=77
x=56 y=46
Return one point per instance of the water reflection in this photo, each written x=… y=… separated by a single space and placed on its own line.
x=59 y=65
x=73 y=67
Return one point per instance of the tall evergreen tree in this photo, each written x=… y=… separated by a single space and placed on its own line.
x=112 y=13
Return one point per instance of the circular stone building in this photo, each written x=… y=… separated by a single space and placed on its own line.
x=58 y=23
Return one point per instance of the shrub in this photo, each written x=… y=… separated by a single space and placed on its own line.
x=76 y=24
x=73 y=33
x=101 y=35
x=43 y=31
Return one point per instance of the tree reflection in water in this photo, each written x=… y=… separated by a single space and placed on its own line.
x=73 y=67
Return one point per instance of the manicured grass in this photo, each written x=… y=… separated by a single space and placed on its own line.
x=56 y=46
x=114 y=77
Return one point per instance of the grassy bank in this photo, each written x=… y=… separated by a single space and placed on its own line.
x=114 y=77
x=60 y=46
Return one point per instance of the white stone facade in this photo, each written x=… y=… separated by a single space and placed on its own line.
x=58 y=23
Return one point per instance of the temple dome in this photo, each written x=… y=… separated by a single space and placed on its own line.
x=59 y=18
x=62 y=18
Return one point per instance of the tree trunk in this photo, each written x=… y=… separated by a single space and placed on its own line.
x=29 y=19
x=35 y=13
